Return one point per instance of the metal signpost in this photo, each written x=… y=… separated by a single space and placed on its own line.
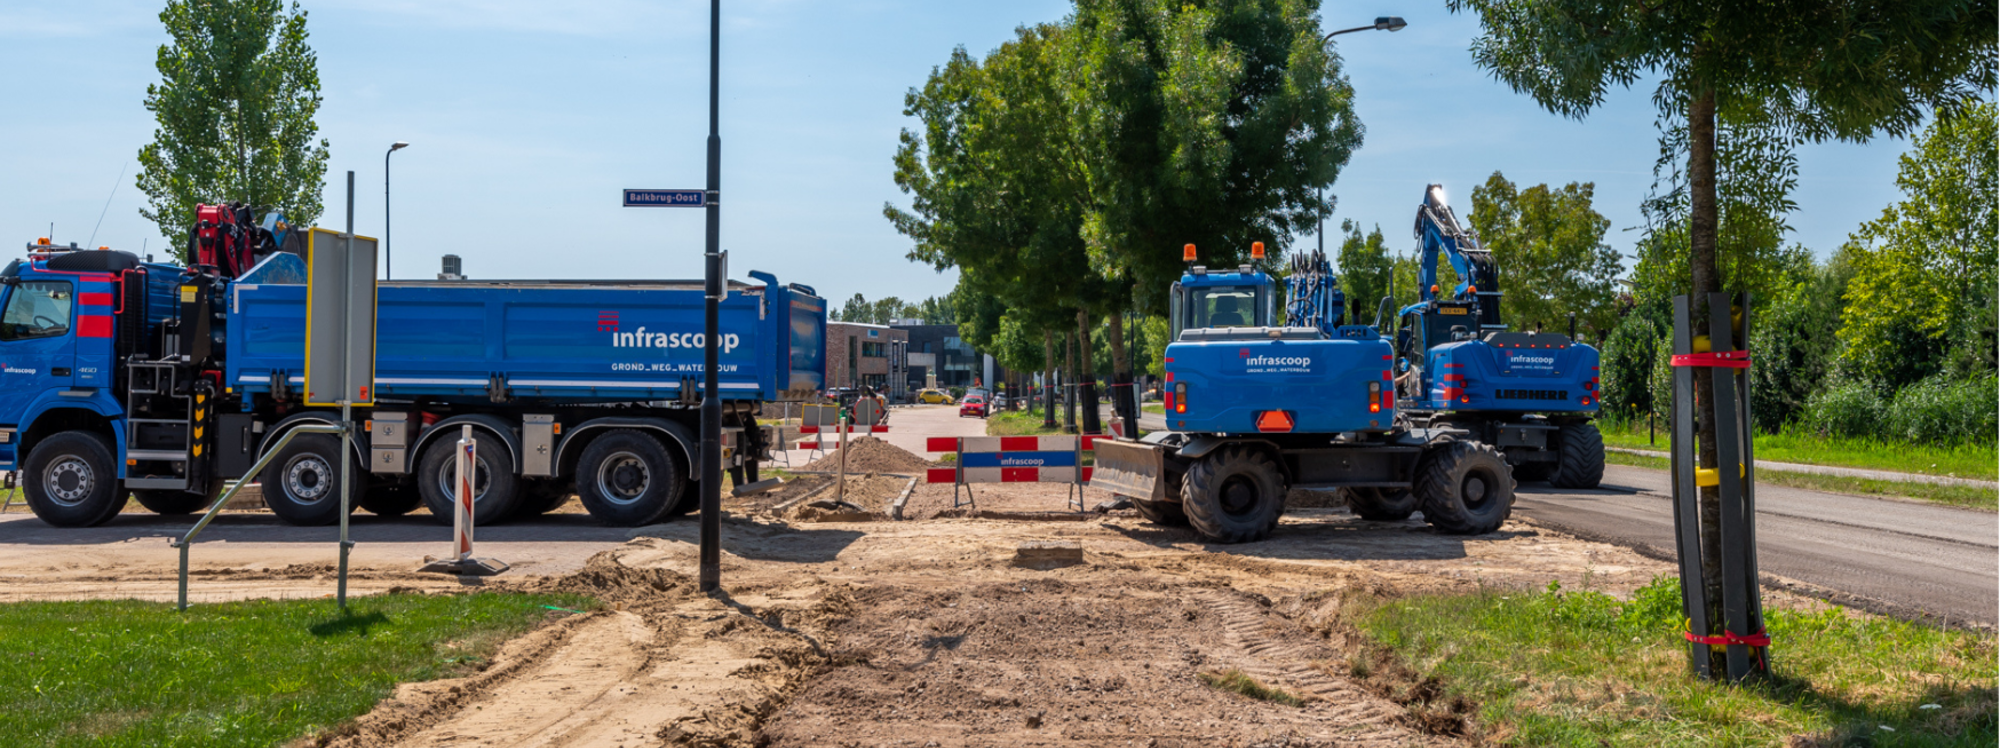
x=717 y=261
x=340 y=337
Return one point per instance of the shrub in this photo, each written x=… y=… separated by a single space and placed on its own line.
x=1845 y=409
x=1944 y=412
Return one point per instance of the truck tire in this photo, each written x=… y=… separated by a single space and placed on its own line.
x=171 y=503
x=1234 y=495
x=626 y=479
x=1580 y=456
x=1465 y=488
x=392 y=500
x=688 y=503
x=71 y=480
x=301 y=484
x=1380 y=504
x=495 y=487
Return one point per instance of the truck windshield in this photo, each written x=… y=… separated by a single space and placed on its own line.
x=1227 y=306
x=36 y=309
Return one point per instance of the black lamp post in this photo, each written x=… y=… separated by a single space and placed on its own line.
x=388 y=257
x=1383 y=23
x=711 y=403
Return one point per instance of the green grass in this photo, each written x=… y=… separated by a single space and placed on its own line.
x=1974 y=497
x=1967 y=461
x=253 y=673
x=1236 y=681
x=1154 y=408
x=1019 y=423
x=1563 y=668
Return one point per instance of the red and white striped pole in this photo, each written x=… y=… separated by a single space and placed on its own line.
x=461 y=521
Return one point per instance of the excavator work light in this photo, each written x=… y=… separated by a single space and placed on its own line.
x=1256 y=250
x=1187 y=252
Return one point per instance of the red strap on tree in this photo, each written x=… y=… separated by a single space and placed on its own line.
x=1759 y=639
x=1718 y=359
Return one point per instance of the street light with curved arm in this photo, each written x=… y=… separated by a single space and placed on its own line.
x=388 y=259
x=1382 y=23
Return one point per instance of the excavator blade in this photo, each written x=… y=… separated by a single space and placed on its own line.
x=1130 y=469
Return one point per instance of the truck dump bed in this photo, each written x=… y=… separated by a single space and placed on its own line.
x=559 y=341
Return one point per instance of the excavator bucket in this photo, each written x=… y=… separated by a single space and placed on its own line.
x=1132 y=469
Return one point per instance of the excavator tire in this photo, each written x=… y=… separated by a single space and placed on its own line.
x=1581 y=456
x=1234 y=495
x=1380 y=504
x=1466 y=488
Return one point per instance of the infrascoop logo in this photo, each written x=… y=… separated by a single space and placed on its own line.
x=607 y=321
x=1550 y=360
x=1277 y=361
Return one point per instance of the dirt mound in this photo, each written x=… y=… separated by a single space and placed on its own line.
x=871 y=455
x=606 y=579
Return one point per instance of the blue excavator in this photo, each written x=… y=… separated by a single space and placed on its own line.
x=1530 y=394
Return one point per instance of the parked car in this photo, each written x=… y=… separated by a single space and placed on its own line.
x=972 y=405
x=934 y=397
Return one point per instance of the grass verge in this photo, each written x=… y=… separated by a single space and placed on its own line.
x=1154 y=408
x=1563 y=668
x=1019 y=423
x=1972 y=497
x=251 y=673
x=1237 y=681
x=1967 y=461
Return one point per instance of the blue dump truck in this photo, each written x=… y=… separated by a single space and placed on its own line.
x=120 y=378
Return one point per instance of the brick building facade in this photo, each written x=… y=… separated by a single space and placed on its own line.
x=857 y=354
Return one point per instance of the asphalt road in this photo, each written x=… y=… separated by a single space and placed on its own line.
x=1903 y=557
x=1899 y=557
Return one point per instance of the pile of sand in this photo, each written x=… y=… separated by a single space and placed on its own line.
x=606 y=579
x=871 y=455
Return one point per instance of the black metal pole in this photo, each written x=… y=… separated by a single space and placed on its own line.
x=711 y=400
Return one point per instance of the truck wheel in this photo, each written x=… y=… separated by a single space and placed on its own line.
x=626 y=479
x=1580 y=456
x=392 y=500
x=1234 y=495
x=173 y=502
x=300 y=482
x=1466 y=488
x=71 y=480
x=1380 y=504
x=495 y=487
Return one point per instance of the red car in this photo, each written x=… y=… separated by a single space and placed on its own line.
x=973 y=405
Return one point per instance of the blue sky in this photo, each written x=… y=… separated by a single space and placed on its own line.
x=527 y=117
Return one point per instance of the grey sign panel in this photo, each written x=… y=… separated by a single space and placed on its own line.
x=340 y=319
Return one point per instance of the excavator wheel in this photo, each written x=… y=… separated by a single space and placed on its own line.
x=1465 y=487
x=1234 y=495
x=1580 y=463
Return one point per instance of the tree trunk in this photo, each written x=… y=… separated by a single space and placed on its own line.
x=1086 y=391
x=1048 y=379
x=1124 y=401
x=1704 y=220
x=1069 y=390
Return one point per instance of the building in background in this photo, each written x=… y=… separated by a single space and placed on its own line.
x=858 y=354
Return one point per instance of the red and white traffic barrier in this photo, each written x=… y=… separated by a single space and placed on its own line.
x=466 y=463
x=1013 y=459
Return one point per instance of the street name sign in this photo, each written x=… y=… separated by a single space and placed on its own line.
x=666 y=198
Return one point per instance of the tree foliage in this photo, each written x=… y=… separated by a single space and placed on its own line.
x=1922 y=299
x=1211 y=122
x=1366 y=267
x=1549 y=244
x=238 y=91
